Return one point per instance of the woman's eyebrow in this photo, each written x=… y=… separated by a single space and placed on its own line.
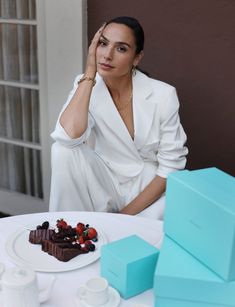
x=117 y=43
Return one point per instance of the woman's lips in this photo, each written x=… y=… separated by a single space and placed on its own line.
x=105 y=66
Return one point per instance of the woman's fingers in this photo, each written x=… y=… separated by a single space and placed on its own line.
x=101 y=28
x=98 y=34
x=91 y=58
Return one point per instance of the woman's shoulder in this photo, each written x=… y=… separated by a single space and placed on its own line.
x=154 y=86
x=157 y=82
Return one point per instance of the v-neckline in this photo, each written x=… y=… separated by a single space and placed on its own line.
x=122 y=120
x=143 y=110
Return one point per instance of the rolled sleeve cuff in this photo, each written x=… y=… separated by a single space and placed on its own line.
x=60 y=136
x=166 y=166
x=164 y=171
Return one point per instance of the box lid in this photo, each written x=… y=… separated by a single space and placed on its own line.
x=130 y=249
x=179 y=275
x=213 y=183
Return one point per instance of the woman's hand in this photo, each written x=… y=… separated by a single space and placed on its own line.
x=91 y=66
x=152 y=192
x=74 y=118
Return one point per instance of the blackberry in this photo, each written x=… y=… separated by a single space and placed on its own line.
x=90 y=247
x=45 y=225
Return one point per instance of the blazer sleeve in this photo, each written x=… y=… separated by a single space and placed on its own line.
x=172 y=151
x=60 y=135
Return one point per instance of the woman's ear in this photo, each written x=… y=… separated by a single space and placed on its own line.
x=138 y=58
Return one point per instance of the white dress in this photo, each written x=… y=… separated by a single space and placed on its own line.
x=105 y=169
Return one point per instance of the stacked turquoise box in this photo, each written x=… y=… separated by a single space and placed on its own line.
x=200 y=216
x=129 y=264
x=196 y=265
x=183 y=281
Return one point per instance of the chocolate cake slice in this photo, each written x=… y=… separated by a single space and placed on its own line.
x=38 y=235
x=64 y=242
x=62 y=251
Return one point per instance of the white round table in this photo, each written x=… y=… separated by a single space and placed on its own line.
x=114 y=226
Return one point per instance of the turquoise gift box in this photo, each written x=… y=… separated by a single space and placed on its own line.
x=180 y=280
x=129 y=264
x=200 y=216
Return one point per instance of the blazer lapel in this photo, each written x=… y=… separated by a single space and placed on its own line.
x=143 y=108
x=104 y=107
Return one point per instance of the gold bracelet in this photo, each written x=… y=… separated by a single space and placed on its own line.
x=87 y=79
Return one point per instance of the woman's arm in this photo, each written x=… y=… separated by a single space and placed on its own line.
x=74 y=119
x=152 y=192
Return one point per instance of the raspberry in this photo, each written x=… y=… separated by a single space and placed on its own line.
x=61 y=224
x=87 y=242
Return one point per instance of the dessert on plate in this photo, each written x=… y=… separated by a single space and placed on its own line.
x=64 y=242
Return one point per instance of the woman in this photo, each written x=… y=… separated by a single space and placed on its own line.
x=119 y=134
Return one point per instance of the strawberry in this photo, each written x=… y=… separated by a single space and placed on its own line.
x=85 y=237
x=81 y=240
x=79 y=230
x=92 y=233
x=81 y=225
x=61 y=224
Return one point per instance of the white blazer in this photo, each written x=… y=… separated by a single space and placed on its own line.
x=158 y=135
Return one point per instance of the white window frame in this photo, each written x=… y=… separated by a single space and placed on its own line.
x=62 y=42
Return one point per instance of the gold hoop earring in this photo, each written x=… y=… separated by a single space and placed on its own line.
x=133 y=70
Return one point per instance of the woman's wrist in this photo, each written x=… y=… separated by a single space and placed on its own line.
x=90 y=72
x=87 y=78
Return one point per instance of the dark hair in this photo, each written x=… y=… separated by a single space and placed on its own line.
x=135 y=26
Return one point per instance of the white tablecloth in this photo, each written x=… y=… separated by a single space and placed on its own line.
x=115 y=226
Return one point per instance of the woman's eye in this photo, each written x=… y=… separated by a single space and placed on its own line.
x=102 y=43
x=122 y=49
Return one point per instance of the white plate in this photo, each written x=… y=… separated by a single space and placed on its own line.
x=2 y=268
x=22 y=252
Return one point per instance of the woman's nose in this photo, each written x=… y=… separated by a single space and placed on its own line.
x=108 y=54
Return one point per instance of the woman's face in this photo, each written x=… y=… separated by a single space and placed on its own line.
x=116 y=51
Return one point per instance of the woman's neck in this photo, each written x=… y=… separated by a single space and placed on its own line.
x=119 y=87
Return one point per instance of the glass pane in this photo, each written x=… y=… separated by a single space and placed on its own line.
x=19 y=114
x=20 y=170
x=21 y=9
x=18 y=53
